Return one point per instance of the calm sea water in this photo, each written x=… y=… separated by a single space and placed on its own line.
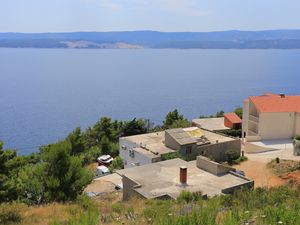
x=46 y=93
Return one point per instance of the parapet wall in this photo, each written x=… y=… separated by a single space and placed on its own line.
x=212 y=167
x=218 y=151
x=128 y=188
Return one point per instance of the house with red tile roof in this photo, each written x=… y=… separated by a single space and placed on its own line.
x=232 y=121
x=271 y=116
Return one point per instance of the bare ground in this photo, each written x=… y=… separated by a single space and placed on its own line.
x=260 y=173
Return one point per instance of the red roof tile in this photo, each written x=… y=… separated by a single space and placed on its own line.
x=276 y=103
x=233 y=118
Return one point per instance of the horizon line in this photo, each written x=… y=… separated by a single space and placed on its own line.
x=146 y=30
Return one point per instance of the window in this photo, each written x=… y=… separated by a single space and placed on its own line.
x=131 y=153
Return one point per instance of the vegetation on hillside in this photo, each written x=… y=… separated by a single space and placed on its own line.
x=58 y=171
x=282 y=166
x=217 y=115
x=279 y=205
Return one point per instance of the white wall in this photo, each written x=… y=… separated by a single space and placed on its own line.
x=297 y=124
x=127 y=159
x=245 y=117
x=276 y=125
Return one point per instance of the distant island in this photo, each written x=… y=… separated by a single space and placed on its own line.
x=234 y=39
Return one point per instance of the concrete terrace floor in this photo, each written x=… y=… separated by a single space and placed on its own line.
x=282 y=149
x=162 y=178
x=276 y=144
x=256 y=167
x=211 y=124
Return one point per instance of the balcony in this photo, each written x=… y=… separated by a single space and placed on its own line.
x=253 y=118
x=253 y=132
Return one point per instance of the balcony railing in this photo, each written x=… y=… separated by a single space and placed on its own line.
x=254 y=119
x=252 y=132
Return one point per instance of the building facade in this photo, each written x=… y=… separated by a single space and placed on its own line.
x=270 y=117
x=190 y=142
x=167 y=179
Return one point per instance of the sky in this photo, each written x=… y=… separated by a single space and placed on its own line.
x=160 y=15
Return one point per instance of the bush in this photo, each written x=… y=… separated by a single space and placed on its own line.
x=10 y=213
x=116 y=164
x=87 y=214
x=187 y=197
x=91 y=155
x=297 y=137
x=84 y=201
x=240 y=159
x=231 y=156
x=232 y=132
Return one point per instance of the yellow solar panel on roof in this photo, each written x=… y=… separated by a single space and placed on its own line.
x=196 y=133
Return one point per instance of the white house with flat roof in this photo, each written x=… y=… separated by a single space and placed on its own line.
x=169 y=178
x=148 y=148
x=142 y=149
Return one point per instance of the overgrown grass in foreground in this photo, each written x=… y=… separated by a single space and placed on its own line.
x=261 y=206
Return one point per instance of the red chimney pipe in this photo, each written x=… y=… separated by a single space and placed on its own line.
x=183 y=174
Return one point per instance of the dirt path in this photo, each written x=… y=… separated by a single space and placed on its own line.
x=258 y=171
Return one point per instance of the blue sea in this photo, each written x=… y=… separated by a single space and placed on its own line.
x=46 y=93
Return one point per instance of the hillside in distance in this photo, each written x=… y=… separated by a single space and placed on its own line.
x=269 y=39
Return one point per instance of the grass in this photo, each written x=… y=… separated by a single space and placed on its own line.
x=282 y=166
x=279 y=205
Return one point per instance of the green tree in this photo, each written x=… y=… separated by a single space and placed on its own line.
x=105 y=145
x=116 y=164
x=65 y=177
x=180 y=124
x=30 y=183
x=239 y=112
x=220 y=113
x=77 y=141
x=7 y=191
x=134 y=127
x=174 y=120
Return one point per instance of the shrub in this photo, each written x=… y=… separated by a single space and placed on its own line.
x=91 y=155
x=187 y=197
x=118 y=207
x=297 y=137
x=232 y=132
x=88 y=213
x=231 y=156
x=116 y=164
x=240 y=159
x=10 y=213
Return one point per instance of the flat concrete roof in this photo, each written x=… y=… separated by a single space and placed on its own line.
x=105 y=184
x=151 y=144
x=181 y=136
x=214 y=137
x=212 y=124
x=162 y=178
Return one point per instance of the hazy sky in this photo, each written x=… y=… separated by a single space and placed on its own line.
x=162 y=15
